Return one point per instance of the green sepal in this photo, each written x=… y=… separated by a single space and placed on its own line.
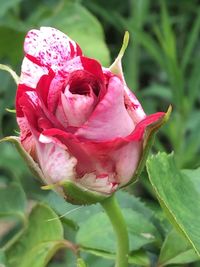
x=12 y=72
x=148 y=142
x=76 y=194
x=11 y=110
x=33 y=166
x=116 y=67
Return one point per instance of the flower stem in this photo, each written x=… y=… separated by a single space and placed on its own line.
x=114 y=213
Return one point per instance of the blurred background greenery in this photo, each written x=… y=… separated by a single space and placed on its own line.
x=161 y=66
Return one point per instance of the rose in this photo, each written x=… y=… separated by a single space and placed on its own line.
x=78 y=121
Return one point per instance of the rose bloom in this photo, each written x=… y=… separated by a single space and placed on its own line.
x=78 y=120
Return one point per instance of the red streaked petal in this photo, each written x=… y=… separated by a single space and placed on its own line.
x=55 y=161
x=133 y=106
x=21 y=90
x=46 y=48
x=93 y=67
x=43 y=91
x=100 y=183
x=31 y=107
x=106 y=156
x=26 y=136
x=43 y=86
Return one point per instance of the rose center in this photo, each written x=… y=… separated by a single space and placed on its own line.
x=83 y=83
x=82 y=89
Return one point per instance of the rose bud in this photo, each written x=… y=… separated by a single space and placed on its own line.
x=82 y=130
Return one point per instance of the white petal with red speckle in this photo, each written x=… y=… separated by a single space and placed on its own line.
x=55 y=161
x=50 y=47
x=28 y=68
x=100 y=184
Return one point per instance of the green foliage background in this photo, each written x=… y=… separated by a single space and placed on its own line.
x=162 y=67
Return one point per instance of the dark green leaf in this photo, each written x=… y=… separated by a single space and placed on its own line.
x=178 y=195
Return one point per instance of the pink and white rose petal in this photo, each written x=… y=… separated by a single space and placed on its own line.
x=77 y=119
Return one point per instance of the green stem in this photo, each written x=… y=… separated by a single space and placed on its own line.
x=114 y=213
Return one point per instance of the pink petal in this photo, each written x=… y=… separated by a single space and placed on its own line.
x=117 y=158
x=26 y=136
x=86 y=162
x=92 y=156
x=77 y=108
x=54 y=92
x=110 y=119
x=133 y=106
x=126 y=160
x=79 y=68
x=79 y=99
x=60 y=115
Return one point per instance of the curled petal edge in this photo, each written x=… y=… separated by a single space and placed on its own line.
x=149 y=134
